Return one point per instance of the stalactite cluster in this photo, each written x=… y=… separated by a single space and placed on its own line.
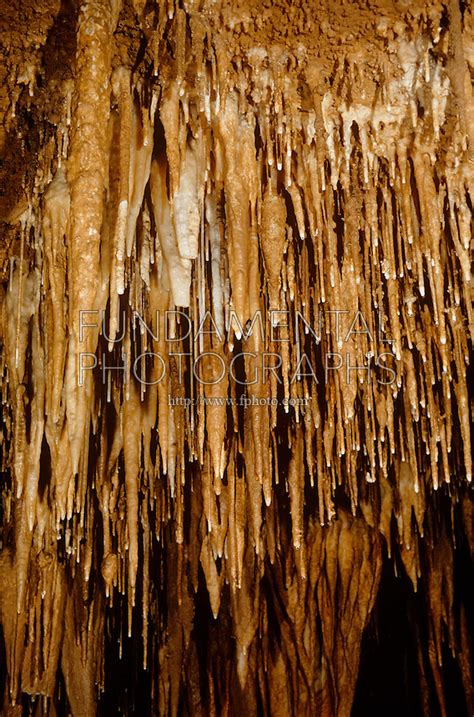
x=236 y=329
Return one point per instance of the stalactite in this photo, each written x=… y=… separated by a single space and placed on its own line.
x=236 y=332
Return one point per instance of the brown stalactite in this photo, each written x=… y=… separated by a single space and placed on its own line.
x=236 y=331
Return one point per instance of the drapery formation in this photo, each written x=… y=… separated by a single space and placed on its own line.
x=236 y=336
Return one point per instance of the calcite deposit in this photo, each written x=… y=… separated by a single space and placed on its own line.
x=236 y=333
